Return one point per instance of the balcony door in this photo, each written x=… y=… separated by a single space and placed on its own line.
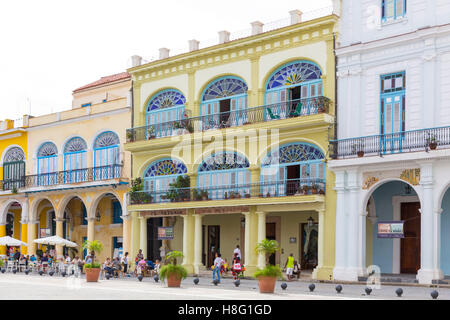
x=393 y=112
x=213 y=243
x=14 y=169
x=75 y=161
x=107 y=156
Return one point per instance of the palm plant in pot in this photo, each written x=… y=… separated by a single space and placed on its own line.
x=173 y=272
x=92 y=269
x=267 y=277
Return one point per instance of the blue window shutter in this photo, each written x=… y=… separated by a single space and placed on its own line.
x=117 y=212
x=382 y=116
x=383 y=9
x=84 y=222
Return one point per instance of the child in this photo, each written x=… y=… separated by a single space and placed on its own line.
x=237 y=267
x=141 y=266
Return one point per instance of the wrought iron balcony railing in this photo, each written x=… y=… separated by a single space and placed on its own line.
x=255 y=190
x=392 y=143
x=74 y=176
x=272 y=112
x=11 y=184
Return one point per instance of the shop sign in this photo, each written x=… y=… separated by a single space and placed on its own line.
x=223 y=210
x=164 y=213
x=165 y=233
x=391 y=229
x=43 y=233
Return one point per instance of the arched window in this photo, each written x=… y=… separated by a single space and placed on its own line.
x=224 y=172
x=14 y=169
x=224 y=103
x=162 y=110
x=290 y=88
x=47 y=164
x=291 y=167
x=75 y=160
x=107 y=156
x=160 y=174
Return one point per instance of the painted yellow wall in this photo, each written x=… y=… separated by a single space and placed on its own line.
x=96 y=95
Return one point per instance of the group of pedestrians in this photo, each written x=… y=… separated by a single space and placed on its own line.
x=291 y=266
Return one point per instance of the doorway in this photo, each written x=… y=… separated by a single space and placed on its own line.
x=225 y=106
x=292 y=180
x=295 y=93
x=213 y=243
x=271 y=235
x=410 y=244
x=309 y=236
x=153 y=244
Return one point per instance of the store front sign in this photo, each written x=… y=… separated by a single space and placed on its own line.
x=223 y=210
x=165 y=233
x=391 y=229
x=163 y=213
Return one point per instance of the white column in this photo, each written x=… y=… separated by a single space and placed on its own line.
x=362 y=266
x=261 y=237
x=320 y=243
x=185 y=239
x=91 y=229
x=143 y=236
x=353 y=227
x=198 y=243
x=341 y=227
x=247 y=252
x=428 y=270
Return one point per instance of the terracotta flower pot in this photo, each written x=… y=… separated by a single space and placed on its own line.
x=433 y=145
x=92 y=274
x=360 y=154
x=267 y=284
x=173 y=280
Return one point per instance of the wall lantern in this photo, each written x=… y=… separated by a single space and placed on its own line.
x=310 y=222
x=97 y=216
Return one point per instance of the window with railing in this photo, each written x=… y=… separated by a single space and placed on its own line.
x=393 y=109
x=392 y=9
x=107 y=156
x=296 y=82
x=75 y=160
x=14 y=169
x=224 y=169
x=47 y=164
x=224 y=103
x=159 y=175
x=165 y=106
x=300 y=165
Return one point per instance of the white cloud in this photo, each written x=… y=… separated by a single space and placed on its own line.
x=50 y=47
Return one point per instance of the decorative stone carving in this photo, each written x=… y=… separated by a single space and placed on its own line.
x=412 y=176
x=370 y=181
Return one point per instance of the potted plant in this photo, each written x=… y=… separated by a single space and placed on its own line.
x=232 y=196
x=92 y=269
x=173 y=272
x=205 y=195
x=432 y=142
x=268 y=195
x=178 y=190
x=247 y=195
x=130 y=136
x=314 y=189
x=14 y=190
x=267 y=277
x=305 y=189
x=150 y=132
x=197 y=194
x=225 y=195
x=358 y=148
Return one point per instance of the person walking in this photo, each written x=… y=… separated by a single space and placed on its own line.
x=238 y=251
x=217 y=266
x=289 y=266
x=125 y=263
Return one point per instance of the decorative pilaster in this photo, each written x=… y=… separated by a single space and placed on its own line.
x=91 y=229
x=320 y=242
x=59 y=233
x=341 y=227
x=188 y=240
x=32 y=226
x=2 y=234
x=261 y=237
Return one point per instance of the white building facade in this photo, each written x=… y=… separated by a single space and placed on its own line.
x=392 y=153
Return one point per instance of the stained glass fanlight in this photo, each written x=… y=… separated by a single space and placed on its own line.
x=294 y=153
x=224 y=161
x=294 y=73
x=14 y=154
x=75 y=145
x=106 y=139
x=165 y=167
x=47 y=149
x=166 y=99
x=225 y=87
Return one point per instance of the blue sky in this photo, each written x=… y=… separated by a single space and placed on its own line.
x=51 y=47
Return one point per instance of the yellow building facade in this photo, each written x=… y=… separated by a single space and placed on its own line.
x=13 y=150
x=230 y=146
x=77 y=173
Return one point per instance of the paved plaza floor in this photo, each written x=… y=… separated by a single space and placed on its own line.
x=35 y=287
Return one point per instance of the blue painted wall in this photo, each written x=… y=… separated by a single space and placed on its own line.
x=445 y=234
x=383 y=248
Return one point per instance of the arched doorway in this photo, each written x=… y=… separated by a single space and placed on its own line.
x=46 y=226
x=391 y=203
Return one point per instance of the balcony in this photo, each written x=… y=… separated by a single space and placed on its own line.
x=392 y=143
x=266 y=113
x=74 y=176
x=294 y=187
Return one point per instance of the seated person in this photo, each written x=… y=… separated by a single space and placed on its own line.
x=33 y=258
x=150 y=265
x=108 y=266
x=116 y=266
x=44 y=261
x=141 y=266
x=296 y=271
x=156 y=268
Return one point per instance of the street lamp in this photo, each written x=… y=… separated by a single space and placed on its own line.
x=97 y=216
x=310 y=222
